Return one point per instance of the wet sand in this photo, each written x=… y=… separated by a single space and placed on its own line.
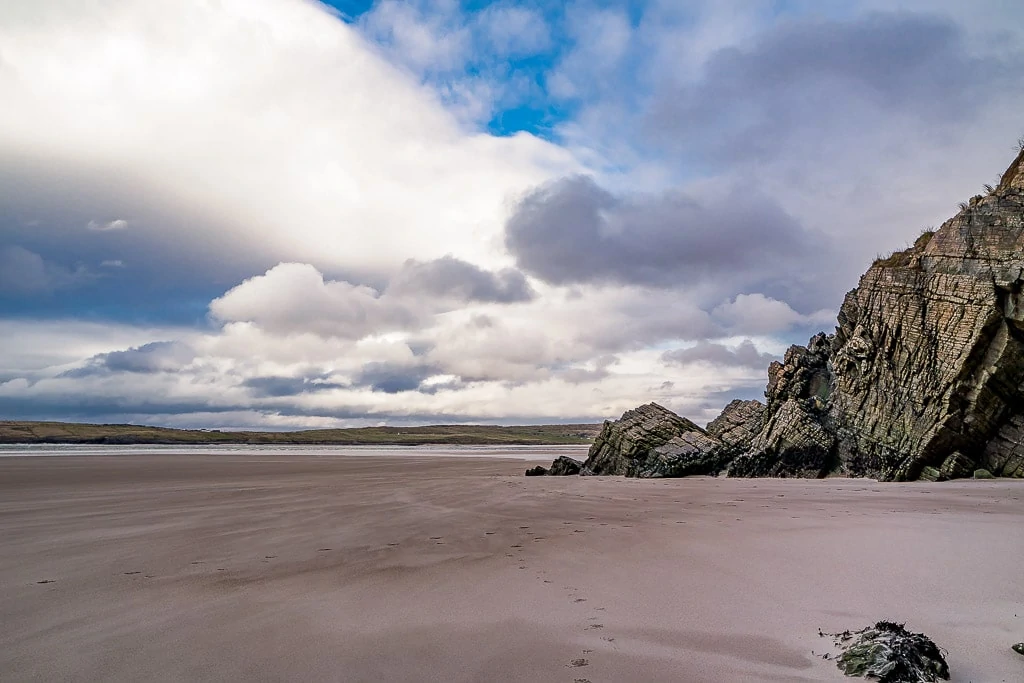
x=313 y=568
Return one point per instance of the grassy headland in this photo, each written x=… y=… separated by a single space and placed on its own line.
x=68 y=432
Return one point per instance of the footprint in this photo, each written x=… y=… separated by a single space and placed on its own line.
x=580 y=600
x=269 y=557
x=324 y=550
x=436 y=538
x=47 y=581
x=517 y=545
x=131 y=573
x=595 y=627
x=576 y=663
x=392 y=544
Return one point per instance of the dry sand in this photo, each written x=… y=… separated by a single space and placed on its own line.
x=296 y=568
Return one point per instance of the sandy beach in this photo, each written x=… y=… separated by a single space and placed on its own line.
x=317 y=568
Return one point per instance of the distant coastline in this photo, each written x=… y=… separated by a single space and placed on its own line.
x=20 y=432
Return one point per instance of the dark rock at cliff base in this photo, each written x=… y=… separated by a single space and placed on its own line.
x=565 y=466
x=561 y=467
x=795 y=439
x=889 y=653
x=652 y=441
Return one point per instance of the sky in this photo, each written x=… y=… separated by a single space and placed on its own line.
x=283 y=214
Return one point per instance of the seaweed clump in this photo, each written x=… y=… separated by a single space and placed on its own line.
x=889 y=653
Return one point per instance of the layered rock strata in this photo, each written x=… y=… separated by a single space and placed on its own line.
x=923 y=377
x=652 y=441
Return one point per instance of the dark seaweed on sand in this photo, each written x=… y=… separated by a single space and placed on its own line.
x=889 y=653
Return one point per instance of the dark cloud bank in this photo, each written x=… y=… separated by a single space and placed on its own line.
x=572 y=231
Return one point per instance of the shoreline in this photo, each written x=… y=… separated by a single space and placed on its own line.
x=525 y=453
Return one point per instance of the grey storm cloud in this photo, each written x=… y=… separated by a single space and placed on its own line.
x=583 y=375
x=25 y=271
x=745 y=355
x=280 y=386
x=809 y=79
x=454 y=278
x=390 y=378
x=161 y=356
x=573 y=231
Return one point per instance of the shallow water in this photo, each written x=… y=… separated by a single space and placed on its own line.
x=502 y=451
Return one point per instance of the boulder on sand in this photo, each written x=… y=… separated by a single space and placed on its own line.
x=562 y=466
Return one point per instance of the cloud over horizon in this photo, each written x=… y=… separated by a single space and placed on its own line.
x=278 y=213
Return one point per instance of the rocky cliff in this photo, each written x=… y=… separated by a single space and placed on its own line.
x=923 y=377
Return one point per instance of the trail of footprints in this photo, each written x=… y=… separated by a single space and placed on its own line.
x=590 y=625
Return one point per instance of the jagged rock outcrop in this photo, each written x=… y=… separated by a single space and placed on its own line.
x=923 y=377
x=739 y=424
x=652 y=441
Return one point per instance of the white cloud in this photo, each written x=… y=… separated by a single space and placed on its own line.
x=757 y=314
x=33 y=347
x=99 y=226
x=514 y=31
x=259 y=127
x=292 y=348
x=428 y=37
x=294 y=297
